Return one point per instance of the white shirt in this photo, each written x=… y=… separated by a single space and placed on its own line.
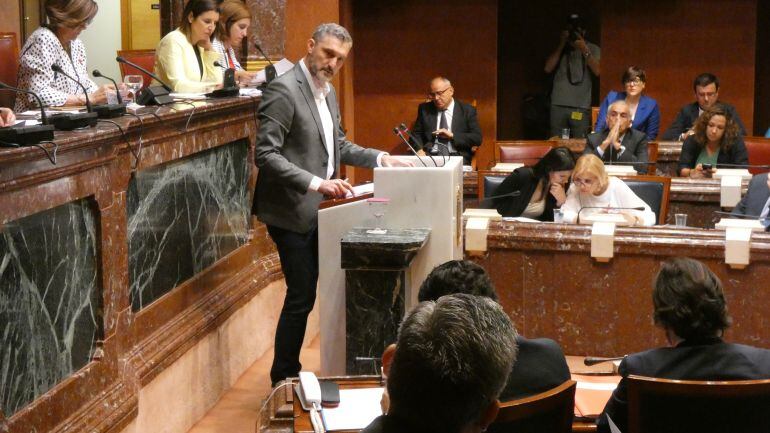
x=327 y=125
x=618 y=194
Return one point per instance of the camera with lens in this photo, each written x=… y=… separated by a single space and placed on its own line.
x=575 y=27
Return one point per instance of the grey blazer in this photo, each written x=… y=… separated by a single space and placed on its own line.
x=634 y=141
x=290 y=150
x=753 y=203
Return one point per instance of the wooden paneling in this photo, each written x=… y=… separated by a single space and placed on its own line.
x=10 y=19
x=675 y=41
x=400 y=45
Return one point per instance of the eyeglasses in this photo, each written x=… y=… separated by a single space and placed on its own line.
x=634 y=82
x=583 y=182
x=436 y=94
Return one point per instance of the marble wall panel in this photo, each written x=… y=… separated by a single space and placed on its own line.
x=268 y=29
x=50 y=300
x=183 y=216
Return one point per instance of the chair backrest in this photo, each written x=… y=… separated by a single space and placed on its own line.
x=488 y=181
x=653 y=190
x=759 y=152
x=527 y=152
x=143 y=58
x=664 y=405
x=9 y=67
x=551 y=411
x=652 y=157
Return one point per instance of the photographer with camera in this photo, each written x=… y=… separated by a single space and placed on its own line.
x=574 y=60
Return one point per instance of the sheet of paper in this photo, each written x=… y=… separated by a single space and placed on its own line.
x=281 y=67
x=250 y=91
x=188 y=95
x=357 y=409
x=362 y=189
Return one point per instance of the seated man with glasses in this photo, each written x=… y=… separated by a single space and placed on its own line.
x=706 y=87
x=444 y=125
x=619 y=142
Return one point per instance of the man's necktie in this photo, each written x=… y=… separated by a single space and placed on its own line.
x=442 y=124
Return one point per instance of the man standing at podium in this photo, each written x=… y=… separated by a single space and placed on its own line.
x=445 y=125
x=300 y=146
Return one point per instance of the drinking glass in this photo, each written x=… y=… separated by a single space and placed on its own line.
x=134 y=84
x=377 y=207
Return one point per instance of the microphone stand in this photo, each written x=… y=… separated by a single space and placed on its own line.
x=270 y=72
x=150 y=95
x=69 y=121
x=109 y=111
x=13 y=136
x=398 y=132
x=410 y=137
x=229 y=87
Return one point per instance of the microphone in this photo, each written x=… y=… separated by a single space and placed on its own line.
x=507 y=194
x=109 y=111
x=734 y=215
x=760 y=166
x=270 y=72
x=229 y=87
x=640 y=208
x=592 y=360
x=150 y=95
x=68 y=121
x=398 y=132
x=27 y=135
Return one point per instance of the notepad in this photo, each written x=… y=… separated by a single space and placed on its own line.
x=357 y=409
x=592 y=394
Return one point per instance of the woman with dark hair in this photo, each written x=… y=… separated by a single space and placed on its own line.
x=542 y=187
x=185 y=57
x=645 y=114
x=234 y=22
x=717 y=140
x=689 y=305
x=57 y=43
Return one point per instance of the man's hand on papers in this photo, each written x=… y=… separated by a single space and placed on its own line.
x=335 y=188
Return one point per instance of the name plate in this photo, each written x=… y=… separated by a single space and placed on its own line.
x=740 y=172
x=752 y=224
x=620 y=170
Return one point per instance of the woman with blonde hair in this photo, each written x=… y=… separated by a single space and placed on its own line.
x=185 y=57
x=57 y=43
x=595 y=192
x=234 y=22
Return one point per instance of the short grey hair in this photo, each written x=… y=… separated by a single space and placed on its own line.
x=452 y=360
x=332 y=29
x=619 y=102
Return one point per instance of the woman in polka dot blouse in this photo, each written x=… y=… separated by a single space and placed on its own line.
x=57 y=43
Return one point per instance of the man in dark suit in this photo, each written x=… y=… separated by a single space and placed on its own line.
x=540 y=364
x=756 y=202
x=300 y=146
x=690 y=307
x=619 y=142
x=706 y=87
x=446 y=125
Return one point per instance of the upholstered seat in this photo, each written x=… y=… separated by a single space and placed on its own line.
x=653 y=190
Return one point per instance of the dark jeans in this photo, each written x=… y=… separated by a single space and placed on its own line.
x=299 y=262
x=562 y=117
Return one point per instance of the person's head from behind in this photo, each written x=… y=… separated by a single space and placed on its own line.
x=441 y=92
x=67 y=18
x=716 y=126
x=589 y=175
x=456 y=276
x=619 y=113
x=634 y=80
x=327 y=50
x=688 y=300
x=452 y=359
x=555 y=166
x=234 y=22
x=199 y=20
x=706 y=88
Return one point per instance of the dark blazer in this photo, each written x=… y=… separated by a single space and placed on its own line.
x=540 y=365
x=687 y=117
x=634 y=141
x=708 y=359
x=753 y=203
x=522 y=179
x=735 y=154
x=465 y=127
x=290 y=150
x=646 y=119
x=390 y=424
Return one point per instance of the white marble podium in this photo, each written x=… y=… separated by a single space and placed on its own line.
x=420 y=197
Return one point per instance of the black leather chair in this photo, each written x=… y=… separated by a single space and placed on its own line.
x=653 y=190
x=488 y=183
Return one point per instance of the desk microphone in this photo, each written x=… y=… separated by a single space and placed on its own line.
x=640 y=208
x=229 y=87
x=398 y=132
x=109 y=111
x=751 y=217
x=150 y=95
x=593 y=360
x=410 y=137
x=69 y=121
x=507 y=194
x=27 y=135
x=270 y=72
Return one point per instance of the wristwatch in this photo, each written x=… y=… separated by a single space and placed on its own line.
x=587 y=54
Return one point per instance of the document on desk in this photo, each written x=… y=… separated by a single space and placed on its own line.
x=592 y=394
x=357 y=409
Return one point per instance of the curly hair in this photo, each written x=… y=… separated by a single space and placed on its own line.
x=689 y=300
x=456 y=276
x=732 y=131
